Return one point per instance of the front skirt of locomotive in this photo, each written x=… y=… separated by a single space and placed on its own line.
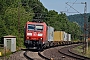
x=33 y=44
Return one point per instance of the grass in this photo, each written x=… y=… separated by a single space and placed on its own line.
x=7 y=52
x=88 y=52
x=79 y=50
x=3 y=52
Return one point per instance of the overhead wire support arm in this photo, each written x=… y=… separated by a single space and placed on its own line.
x=74 y=8
x=72 y=5
x=68 y=12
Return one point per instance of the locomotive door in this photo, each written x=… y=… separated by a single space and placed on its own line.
x=9 y=44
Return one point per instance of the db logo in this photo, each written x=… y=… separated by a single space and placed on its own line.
x=34 y=34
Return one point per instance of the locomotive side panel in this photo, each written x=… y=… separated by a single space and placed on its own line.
x=44 y=33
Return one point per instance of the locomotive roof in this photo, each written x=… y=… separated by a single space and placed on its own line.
x=36 y=23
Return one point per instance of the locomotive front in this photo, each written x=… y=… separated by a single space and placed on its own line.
x=35 y=35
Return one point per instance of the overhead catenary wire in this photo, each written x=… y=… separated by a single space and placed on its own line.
x=72 y=5
x=74 y=9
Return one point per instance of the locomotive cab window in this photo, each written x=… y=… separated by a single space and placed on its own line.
x=31 y=27
x=39 y=27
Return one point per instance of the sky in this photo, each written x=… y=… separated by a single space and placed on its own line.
x=60 y=5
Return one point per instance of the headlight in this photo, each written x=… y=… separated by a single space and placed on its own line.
x=40 y=34
x=27 y=37
x=29 y=34
x=41 y=38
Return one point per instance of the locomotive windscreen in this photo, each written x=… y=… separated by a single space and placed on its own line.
x=35 y=27
x=31 y=27
x=39 y=27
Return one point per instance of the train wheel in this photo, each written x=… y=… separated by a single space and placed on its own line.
x=40 y=47
x=27 y=47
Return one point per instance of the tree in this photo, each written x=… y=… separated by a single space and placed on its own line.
x=11 y=20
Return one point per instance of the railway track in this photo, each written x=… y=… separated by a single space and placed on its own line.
x=55 y=53
x=67 y=51
x=27 y=57
x=35 y=55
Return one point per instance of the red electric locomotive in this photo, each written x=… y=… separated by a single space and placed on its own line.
x=35 y=34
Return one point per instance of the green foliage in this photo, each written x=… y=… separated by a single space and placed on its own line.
x=13 y=14
x=78 y=18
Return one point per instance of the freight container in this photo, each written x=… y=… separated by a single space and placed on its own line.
x=61 y=35
x=69 y=37
x=50 y=33
x=58 y=35
x=65 y=36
